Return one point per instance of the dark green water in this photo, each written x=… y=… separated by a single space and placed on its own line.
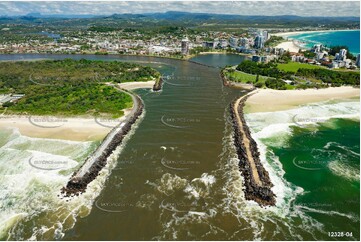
x=177 y=177
x=325 y=162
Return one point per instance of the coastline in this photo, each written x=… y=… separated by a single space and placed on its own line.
x=279 y=100
x=287 y=34
x=51 y=127
x=289 y=43
x=81 y=129
x=95 y=162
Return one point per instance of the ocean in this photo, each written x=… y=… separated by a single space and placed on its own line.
x=350 y=38
x=316 y=148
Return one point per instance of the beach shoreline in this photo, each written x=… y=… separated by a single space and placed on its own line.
x=289 y=43
x=290 y=46
x=280 y=100
x=52 y=127
x=287 y=34
x=74 y=128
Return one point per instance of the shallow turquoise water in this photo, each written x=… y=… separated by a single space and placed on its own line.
x=349 y=38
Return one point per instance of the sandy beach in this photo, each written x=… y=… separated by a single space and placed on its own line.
x=268 y=100
x=74 y=129
x=136 y=85
x=67 y=128
x=289 y=45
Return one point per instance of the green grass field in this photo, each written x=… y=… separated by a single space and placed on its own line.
x=294 y=66
x=238 y=76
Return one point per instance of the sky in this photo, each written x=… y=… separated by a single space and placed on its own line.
x=300 y=8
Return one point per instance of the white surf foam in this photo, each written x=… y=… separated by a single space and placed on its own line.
x=269 y=125
x=343 y=170
x=32 y=195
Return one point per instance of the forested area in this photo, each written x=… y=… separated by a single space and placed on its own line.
x=70 y=87
x=336 y=78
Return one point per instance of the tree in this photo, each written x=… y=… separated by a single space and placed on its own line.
x=258 y=85
x=257 y=78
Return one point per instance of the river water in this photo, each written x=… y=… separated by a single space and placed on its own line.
x=177 y=178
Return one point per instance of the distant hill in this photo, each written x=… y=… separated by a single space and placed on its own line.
x=186 y=19
x=176 y=16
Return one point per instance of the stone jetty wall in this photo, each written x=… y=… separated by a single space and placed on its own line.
x=262 y=194
x=78 y=185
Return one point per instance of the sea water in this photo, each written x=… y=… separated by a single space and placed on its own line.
x=350 y=38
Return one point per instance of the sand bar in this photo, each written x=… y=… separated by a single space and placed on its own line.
x=136 y=85
x=268 y=100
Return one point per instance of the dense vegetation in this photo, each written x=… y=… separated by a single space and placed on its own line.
x=306 y=76
x=335 y=78
x=73 y=99
x=70 y=87
x=275 y=84
x=15 y=74
x=264 y=69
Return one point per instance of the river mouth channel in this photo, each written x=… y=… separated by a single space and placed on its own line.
x=177 y=176
x=170 y=169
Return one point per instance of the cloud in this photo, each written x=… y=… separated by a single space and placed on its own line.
x=301 y=8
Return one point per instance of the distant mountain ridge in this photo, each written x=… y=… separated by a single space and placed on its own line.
x=178 y=15
x=184 y=19
x=175 y=15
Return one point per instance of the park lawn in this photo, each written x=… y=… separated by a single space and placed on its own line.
x=294 y=66
x=239 y=76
